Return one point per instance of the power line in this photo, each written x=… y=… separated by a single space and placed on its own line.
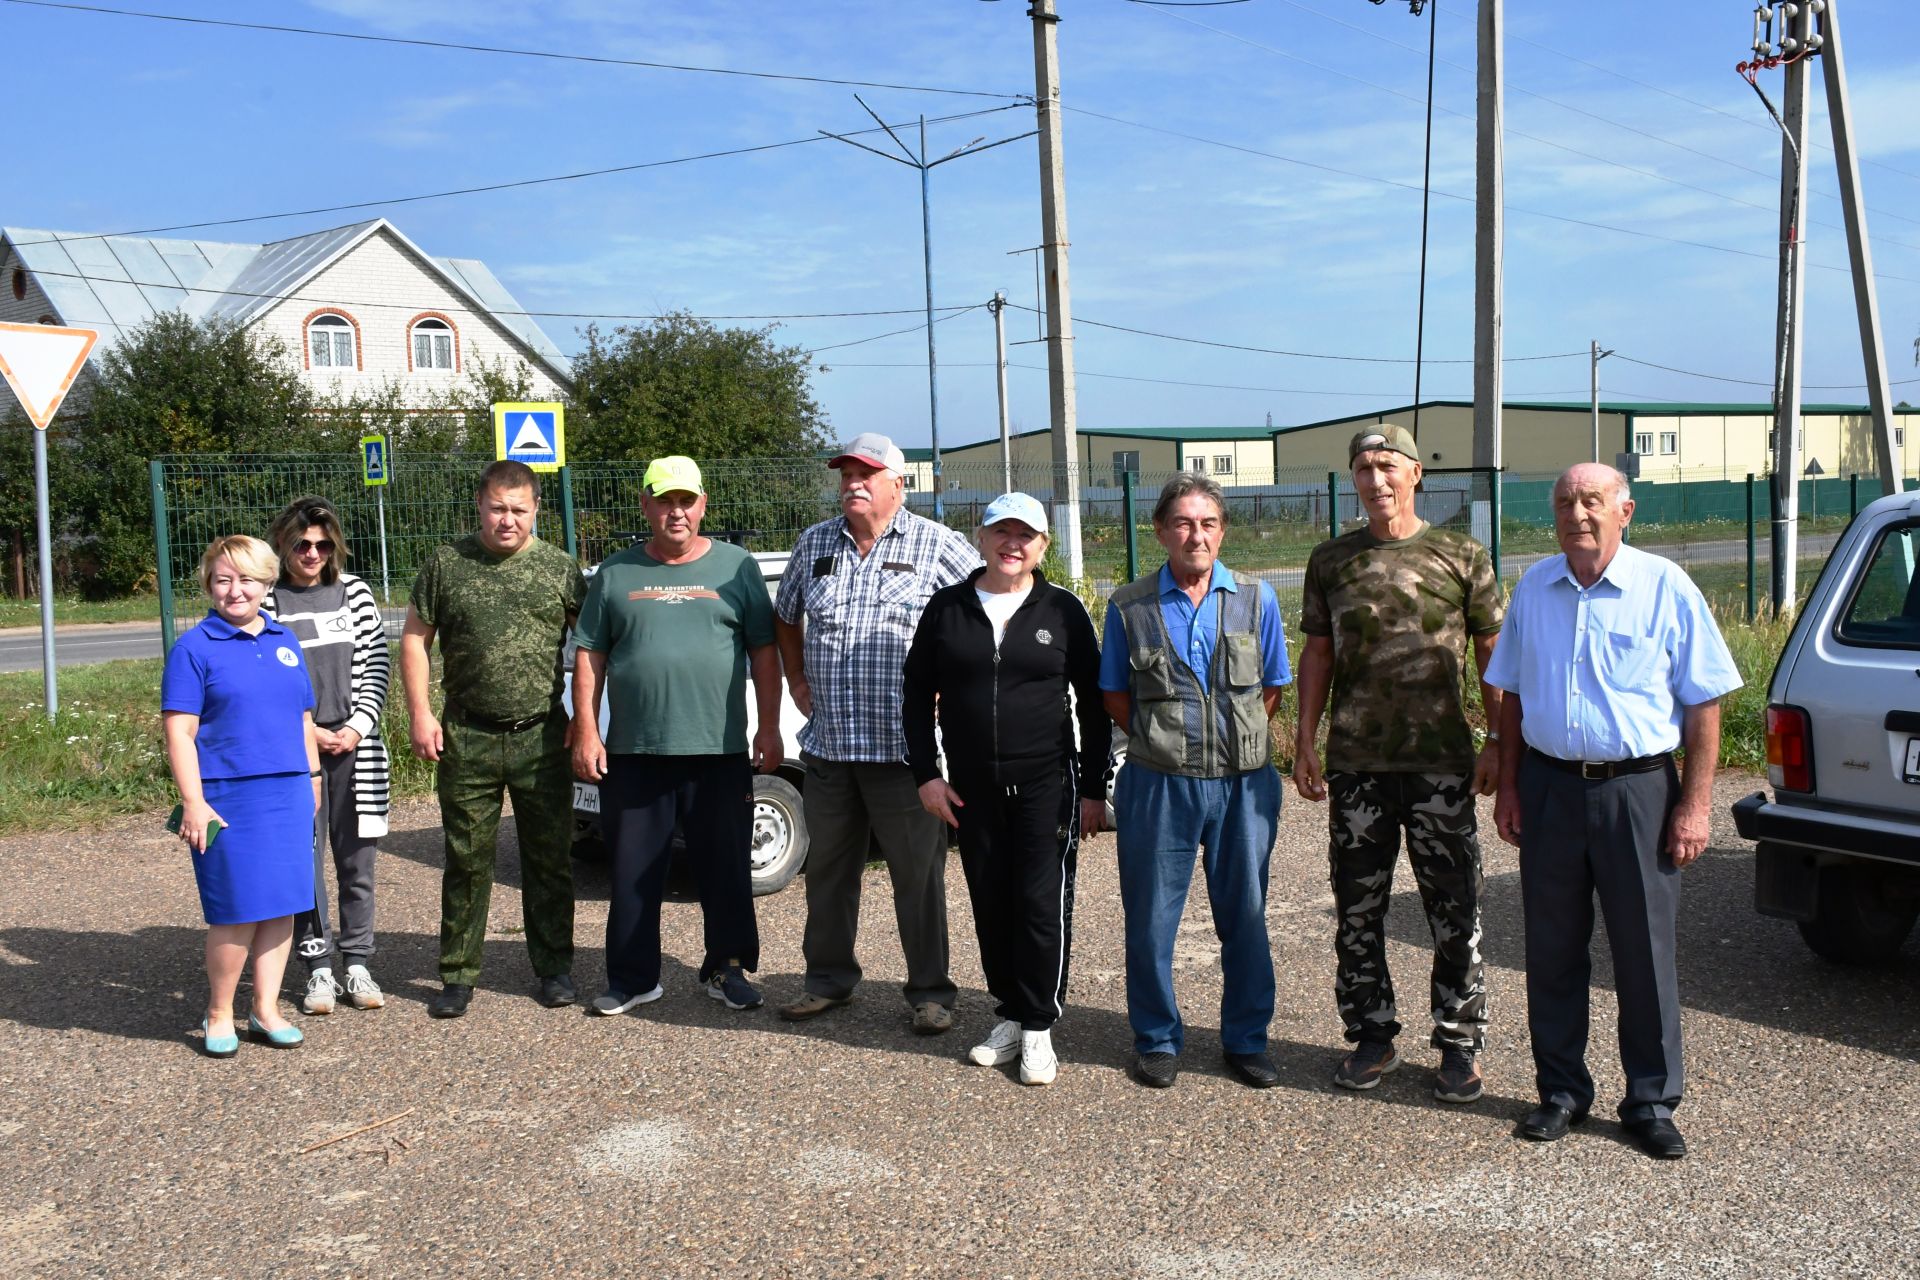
x=1755 y=382
x=1275 y=351
x=552 y=55
x=496 y=186
x=1388 y=40
x=367 y=304
x=1180 y=382
x=1511 y=132
x=894 y=333
x=1451 y=195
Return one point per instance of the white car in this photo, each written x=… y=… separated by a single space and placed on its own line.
x=1839 y=844
x=779 y=846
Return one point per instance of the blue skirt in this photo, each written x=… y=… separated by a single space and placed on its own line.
x=260 y=867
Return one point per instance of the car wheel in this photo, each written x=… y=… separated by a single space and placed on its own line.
x=1861 y=917
x=779 y=845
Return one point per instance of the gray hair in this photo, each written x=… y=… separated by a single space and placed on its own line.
x=1622 y=490
x=1184 y=484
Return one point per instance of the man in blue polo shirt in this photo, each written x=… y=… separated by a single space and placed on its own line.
x=1192 y=664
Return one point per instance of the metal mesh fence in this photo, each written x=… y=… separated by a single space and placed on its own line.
x=1275 y=518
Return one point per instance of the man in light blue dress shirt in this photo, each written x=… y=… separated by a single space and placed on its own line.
x=1610 y=660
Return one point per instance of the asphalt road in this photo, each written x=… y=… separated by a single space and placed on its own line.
x=685 y=1140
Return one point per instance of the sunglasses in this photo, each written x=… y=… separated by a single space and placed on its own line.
x=324 y=547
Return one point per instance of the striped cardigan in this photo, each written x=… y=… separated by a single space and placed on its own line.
x=367 y=696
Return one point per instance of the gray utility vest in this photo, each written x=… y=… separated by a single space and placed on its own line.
x=1180 y=727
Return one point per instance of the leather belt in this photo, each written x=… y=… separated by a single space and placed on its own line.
x=501 y=726
x=1602 y=770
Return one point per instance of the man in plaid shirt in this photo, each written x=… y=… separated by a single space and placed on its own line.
x=845 y=615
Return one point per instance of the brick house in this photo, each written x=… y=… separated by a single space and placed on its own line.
x=359 y=304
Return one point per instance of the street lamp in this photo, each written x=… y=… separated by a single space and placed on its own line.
x=925 y=166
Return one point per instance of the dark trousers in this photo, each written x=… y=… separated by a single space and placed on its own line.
x=1578 y=838
x=532 y=766
x=851 y=805
x=710 y=799
x=1018 y=846
x=1365 y=816
x=337 y=826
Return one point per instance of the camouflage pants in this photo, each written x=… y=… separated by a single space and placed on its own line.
x=1366 y=815
x=533 y=767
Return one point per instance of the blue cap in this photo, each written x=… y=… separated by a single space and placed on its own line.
x=1016 y=506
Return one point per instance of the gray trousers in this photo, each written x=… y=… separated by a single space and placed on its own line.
x=338 y=825
x=1578 y=838
x=850 y=805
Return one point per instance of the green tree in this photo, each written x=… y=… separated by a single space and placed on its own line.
x=682 y=385
x=175 y=384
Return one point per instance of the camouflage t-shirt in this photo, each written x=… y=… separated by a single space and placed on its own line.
x=501 y=622
x=1400 y=614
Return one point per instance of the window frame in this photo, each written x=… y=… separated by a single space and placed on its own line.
x=1669 y=443
x=1859 y=584
x=436 y=324
x=1643 y=443
x=332 y=322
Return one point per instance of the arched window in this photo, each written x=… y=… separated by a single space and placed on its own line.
x=330 y=342
x=432 y=344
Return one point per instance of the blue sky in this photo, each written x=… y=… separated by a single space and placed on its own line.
x=148 y=124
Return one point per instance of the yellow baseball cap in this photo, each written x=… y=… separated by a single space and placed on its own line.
x=672 y=474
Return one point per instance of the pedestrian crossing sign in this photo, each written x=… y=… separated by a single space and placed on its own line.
x=535 y=434
x=373 y=460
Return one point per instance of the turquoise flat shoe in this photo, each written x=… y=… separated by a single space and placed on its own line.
x=285 y=1038
x=218 y=1046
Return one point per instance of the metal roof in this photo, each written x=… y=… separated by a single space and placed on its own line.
x=116 y=283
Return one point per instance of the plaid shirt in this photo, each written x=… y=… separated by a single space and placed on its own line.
x=860 y=614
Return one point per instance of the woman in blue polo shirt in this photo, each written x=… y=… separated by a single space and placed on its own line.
x=237 y=710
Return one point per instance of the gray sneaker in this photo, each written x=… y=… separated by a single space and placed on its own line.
x=1369 y=1060
x=321 y=992
x=608 y=1003
x=362 y=991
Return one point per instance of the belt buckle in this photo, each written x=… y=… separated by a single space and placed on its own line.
x=1595 y=770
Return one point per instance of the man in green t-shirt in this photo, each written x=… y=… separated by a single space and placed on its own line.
x=500 y=601
x=669 y=630
x=1389 y=612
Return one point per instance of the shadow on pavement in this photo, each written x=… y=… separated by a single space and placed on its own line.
x=1733 y=962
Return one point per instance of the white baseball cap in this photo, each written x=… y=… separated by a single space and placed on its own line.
x=873 y=449
x=1016 y=506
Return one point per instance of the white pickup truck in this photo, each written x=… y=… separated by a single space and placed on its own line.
x=1838 y=845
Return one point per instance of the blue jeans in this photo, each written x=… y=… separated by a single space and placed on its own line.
x=1160 y=819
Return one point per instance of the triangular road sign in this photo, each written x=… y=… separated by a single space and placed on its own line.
x=40 y=362
x=530 y=438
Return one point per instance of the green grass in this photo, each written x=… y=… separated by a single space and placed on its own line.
x=72 y=610
x=103 y=758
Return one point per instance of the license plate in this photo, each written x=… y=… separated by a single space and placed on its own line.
x=1912 y=773
x=586 y=797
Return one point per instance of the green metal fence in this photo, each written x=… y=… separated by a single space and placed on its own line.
x=1276 y=518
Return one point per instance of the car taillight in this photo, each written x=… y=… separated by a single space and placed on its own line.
x=1789 y=749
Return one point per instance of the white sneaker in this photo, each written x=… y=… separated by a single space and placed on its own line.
x=362 y=991
x=1037 y=1063
x=1002 y=1045
x=321 y=990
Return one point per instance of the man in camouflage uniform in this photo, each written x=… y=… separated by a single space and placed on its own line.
x=1388 y=612
x=500 y=601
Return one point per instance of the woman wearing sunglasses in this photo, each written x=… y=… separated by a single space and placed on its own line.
x=341 y=633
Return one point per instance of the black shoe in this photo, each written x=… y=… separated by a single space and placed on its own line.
x=1549 y=1122
x=1156 y=1070
x=557 y=991
x=1255 y=1070
x=1657 y=1137
x=451 y=1001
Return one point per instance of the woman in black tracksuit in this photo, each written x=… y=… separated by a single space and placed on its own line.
x=999 y=653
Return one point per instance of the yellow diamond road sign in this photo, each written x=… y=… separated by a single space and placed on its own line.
x=535 y=434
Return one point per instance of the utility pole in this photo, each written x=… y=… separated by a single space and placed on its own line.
x=1489 y=237
x=999 y=308
x=1593 y=384
x=1783 y=543
x=1865 y=304
x=925 y=166
x=1053 y=239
